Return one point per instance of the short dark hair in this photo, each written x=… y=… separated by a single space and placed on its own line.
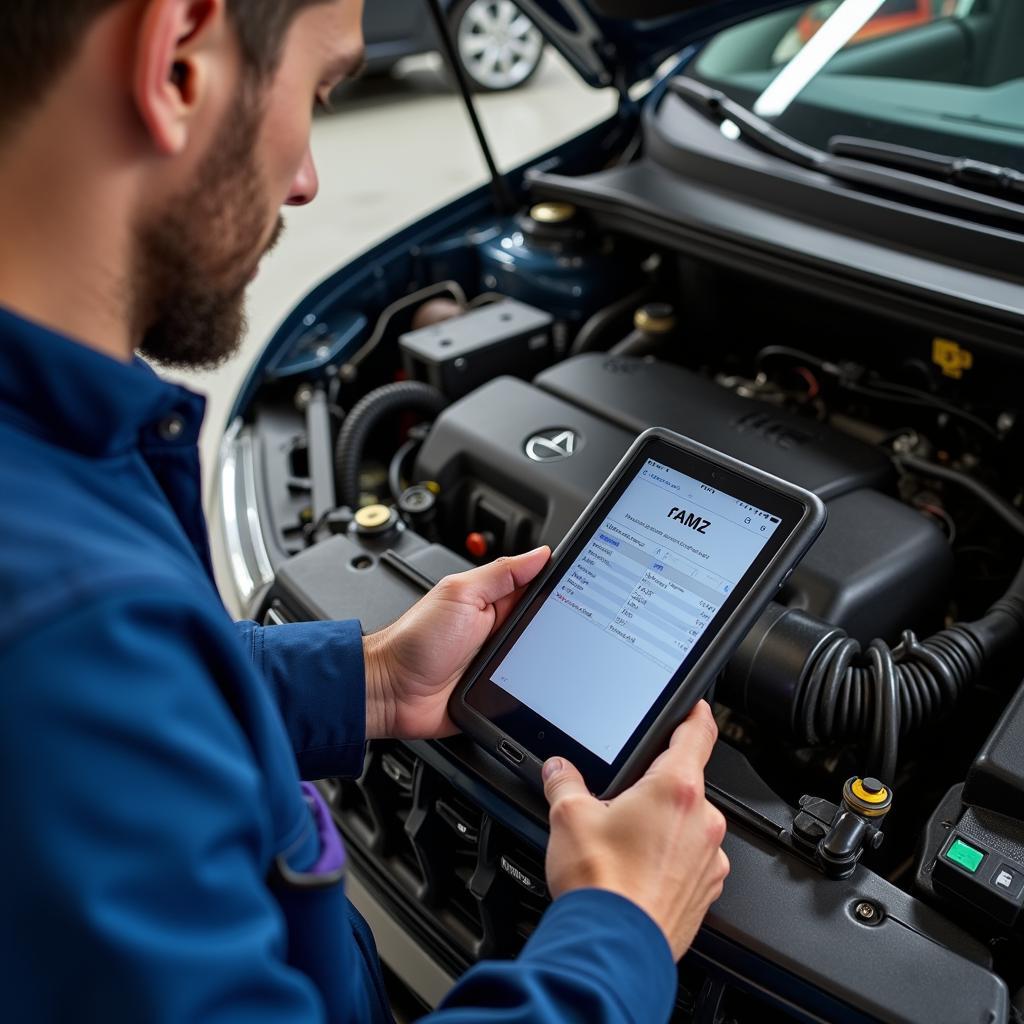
x=39 y=38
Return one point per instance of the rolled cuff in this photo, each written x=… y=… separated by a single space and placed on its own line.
x=317 y=675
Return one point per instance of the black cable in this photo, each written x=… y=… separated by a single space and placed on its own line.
x=848 y=376
x=878 y=696
x=998 y=504
x=397 y=466
x=378 y=405
x=590 y=333
x=889 y=392
x=452 y=288
x=773 y=351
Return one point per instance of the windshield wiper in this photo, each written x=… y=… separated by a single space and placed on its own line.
x=717 y=106
x=740 y=123
x=975 y=175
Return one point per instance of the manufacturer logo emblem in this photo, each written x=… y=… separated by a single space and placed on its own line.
x=552 y=445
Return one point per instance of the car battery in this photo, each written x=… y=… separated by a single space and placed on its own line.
x=460 y=354
x=973 y=853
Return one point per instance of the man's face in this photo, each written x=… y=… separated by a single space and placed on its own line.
x=198 y=256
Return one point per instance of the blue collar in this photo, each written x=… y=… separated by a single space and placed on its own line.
x=81 y=399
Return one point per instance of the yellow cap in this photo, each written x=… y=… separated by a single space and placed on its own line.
x=861 y=793
x=647 y=319
x=373 y=516
x=553 y=213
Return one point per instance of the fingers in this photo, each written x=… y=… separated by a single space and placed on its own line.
x=691 y=744
x=490 y=583
x=561 y=780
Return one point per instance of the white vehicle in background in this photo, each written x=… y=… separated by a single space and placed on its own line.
x=499 y=47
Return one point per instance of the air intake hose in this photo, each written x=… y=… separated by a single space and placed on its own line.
x=365 y=416
x=820 y=686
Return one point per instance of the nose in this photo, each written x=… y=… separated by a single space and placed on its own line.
x=306 y=184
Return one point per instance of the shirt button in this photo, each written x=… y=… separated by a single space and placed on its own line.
x=171 y=428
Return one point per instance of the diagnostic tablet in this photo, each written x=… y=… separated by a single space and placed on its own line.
x=637 y=612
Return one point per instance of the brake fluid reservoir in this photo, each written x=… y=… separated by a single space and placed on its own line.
x=551 y=257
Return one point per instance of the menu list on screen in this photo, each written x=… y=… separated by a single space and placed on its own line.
x=631 y=606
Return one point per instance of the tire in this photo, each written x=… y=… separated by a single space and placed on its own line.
x=498 y=46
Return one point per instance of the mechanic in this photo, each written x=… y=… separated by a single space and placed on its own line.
x=161 y=860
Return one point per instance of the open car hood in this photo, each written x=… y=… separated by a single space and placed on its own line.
x=621 y=42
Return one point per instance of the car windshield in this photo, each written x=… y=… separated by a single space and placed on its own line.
x=946 y=76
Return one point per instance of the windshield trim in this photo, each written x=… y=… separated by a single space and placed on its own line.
x=738 y=124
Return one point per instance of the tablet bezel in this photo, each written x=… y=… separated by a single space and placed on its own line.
x=491 y=714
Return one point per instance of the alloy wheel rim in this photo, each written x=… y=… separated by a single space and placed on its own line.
x=498 y=44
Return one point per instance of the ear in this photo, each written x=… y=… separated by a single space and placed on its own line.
x=176 y=47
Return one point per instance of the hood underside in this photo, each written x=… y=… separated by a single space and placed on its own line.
x=622 y=42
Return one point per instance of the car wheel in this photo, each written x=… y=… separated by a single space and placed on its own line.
x=499 y=47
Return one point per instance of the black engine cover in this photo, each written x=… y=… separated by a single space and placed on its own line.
x=636 y=394
x=877 y=568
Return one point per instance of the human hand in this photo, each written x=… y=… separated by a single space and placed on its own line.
x=413 y=665
x=657 y=844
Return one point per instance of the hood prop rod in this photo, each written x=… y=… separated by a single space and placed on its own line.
x=503 y=201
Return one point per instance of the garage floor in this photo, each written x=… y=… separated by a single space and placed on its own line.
x=395 y=148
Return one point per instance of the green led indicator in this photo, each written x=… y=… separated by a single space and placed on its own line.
x=966 y=856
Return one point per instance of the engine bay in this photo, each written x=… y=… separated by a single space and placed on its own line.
x=476 y=417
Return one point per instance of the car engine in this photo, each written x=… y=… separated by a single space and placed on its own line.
x=478 y=420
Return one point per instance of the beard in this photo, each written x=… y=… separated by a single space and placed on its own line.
x=197 y=259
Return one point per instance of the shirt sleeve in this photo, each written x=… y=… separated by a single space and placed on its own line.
x=317 y=675
x=595 y=958
x=137 y=837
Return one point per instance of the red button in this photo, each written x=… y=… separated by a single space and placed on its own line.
x=477 y=545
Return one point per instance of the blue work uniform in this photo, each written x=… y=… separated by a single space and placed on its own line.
x=154 y=822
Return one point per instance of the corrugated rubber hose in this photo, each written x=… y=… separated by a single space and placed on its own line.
x=819 y=685
x=365 y=416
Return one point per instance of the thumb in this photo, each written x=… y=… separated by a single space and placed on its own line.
x=562 y=779
x=504 y=576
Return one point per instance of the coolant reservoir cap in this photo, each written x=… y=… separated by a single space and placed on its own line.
x=867 y=796
x=870 y=790
x=552 y=213
x=373 y=519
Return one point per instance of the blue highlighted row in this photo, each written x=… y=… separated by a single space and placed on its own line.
x=609 y=540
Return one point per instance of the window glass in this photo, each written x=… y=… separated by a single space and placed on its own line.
x=945 y=76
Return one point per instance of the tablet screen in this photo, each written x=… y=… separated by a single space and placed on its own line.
x=632 y=604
